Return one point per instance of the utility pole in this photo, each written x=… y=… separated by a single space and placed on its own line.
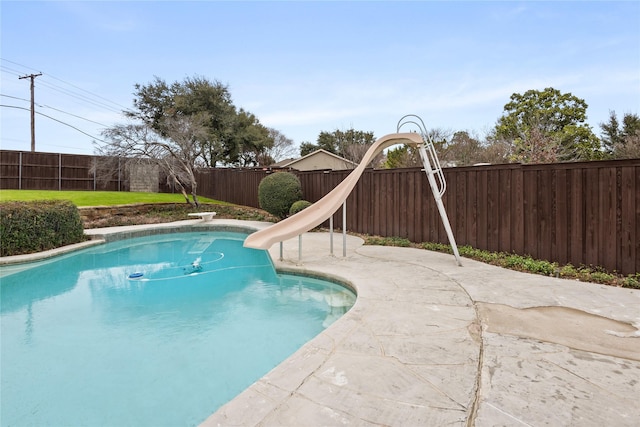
x=33 y=109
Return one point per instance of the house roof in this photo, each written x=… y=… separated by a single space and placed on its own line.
x=282 y=163
x=289 y=163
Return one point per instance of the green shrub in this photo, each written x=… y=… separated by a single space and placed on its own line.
x=299 y=206
x=632 y=281
x=520 y=262
x=437 y=247
x=277 y=192
x=27 y=227
x=388 y=241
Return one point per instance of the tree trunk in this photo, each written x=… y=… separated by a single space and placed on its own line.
x=195 y=199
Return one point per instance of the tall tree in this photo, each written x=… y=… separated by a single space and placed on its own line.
x=462 y=150
x=621 y=142
x=249 y=140
x=407 y=156
x=402 y=156
x=547 y=126
x=351 y=144
x=307 y=148
x=228 y=131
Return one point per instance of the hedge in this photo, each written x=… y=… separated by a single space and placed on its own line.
x=27 y=227
x=299 y=206
x=277 y=192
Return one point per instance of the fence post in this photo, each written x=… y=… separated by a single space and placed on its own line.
x=118 y=173
x=20 y=171
x=59 y=171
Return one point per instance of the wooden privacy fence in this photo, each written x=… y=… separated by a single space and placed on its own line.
x=53 y=171
x=579 y=213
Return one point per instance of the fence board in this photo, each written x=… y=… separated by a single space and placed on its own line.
x=531 y=224
x=517 y=211
x=472 y=209
x=504 y=202
x=592 y=209
x=559 y=249
x=493 y=210
x=629 y=214
x=544 y=234
x=607 y=216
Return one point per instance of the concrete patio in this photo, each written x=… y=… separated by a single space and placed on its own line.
x=429 y=343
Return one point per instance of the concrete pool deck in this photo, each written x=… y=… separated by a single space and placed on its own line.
x=429 y=343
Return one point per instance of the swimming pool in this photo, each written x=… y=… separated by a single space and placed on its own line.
x=159 y=330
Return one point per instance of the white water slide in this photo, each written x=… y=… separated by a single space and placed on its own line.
x=324 y=208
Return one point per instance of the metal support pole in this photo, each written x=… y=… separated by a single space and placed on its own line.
x=344 y=228
x=437 y=195
x=331 y=235
x=428 y=154
x=281 y=256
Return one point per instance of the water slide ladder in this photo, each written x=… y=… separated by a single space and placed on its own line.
x=434 y=174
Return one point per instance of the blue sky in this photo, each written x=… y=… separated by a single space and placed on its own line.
x=307 y=67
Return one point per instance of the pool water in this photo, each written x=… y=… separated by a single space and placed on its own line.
x=153 y=331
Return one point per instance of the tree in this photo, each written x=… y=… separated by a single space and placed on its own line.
x=408 y=156
x=228 y=132
x=621 y=143
x=547 y=126
x=178 y=152
x=307 y=148
x=351 y=144
x=462 y=150
x=248 y=141
x=403 y=156
x=281 y=149
x=495 y=151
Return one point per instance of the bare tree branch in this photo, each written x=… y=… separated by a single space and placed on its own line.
x=177 y=154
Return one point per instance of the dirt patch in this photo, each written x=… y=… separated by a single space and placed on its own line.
x=567 y=326
x=156 y=213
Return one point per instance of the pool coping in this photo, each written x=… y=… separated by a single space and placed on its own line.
x=424 y=343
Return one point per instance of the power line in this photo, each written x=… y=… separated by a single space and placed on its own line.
x=14 y=97
x=54 y=119
x=96 y=101
x=64 y=91
x=56 y=109
x=80 y=97
x=10 y=70
x=74 y=115
x=91 y=93
x=69 y=84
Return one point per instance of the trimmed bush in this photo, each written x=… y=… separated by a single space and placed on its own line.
x=27 y=227
x=299 y=206
x=277 y=192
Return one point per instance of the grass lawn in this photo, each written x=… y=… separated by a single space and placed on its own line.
x=97 y=198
